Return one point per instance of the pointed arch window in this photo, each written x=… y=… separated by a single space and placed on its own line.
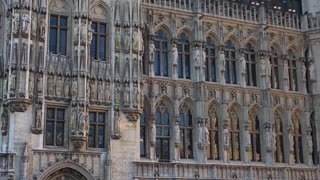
x=210 y=61
x=58 y=34
x=250 y=57
x=162 y=133
x=292 y=70
x=313 y=133
x=234 y=135
x=186 y=126
x=183 y=46
x=297 y=138
x=254 y=130
x=161 y=54
x=230 y=63
x=278 y=131
x=98 y=44
x=143 y=126
x=274 y=62
x=213 y=147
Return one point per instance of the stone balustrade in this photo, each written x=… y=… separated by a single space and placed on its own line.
x=7 y=165
x=162 y=170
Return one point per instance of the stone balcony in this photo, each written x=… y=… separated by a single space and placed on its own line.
x=237 y=170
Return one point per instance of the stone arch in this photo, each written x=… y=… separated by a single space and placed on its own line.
x=166 y=100
x=186 y=31
x=236 y=107
x=257 y=109
x=277 y=47
x=163 y=26
x=214 y=37
x=234 y=39
x=216 y=106
x=251 y=41
x=295 y=49
x=100 y=10
x=64 y=165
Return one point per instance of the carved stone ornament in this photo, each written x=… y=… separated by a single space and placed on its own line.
x=77 y=142
x=133 y=114
x=4 y=121
x=19 y=105
x=37 y=129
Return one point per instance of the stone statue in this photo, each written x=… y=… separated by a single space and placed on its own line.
x=152 y=49
x=285 y=69
x=84 y=32
x=73 y=120
x=291 y=142
x=84 y=5
x=25 y=23
x=34 y=27
x=90 y=32
x=135 y=40
x=135 y=96
x=76 y=32
x=117 y=39
x=31 y=85
x=226 y=136
x=312 y=70
x=100 y=92
x=204 y=57
x=126 y=95
x=247 y=138
x=206 y=136
x=153 y=133
x=126 y=40
x=197 y=57
x=117 y=123
x=82 y=123
x=117 y=95
x=15 y=23
x=50 y=86
x=176 y=132
x=268 y=140
x=59 y=86
x=243 y=64
x=40 y=84
x=74 y=88
x=13 y=81
x=222 y=62
x=200 y=133
x=174 y=54
x=107 y=92
x=274 y=137
x=92 y=90
x=66 y=88
x=310 y=142
x=38 y=118
x=268 y=67
x=303 y=71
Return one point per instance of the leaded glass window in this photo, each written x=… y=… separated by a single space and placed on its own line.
x=254 y=131
x=213 y=147
x=210 y=61
x=55 y=121
x=234 y=135
x=230 y=63
x=250 y=65
x=183 y=46
x=185 y=124
x=313 y=133
x=58 y=34
x=292 y=70
x=297 y=138
x=162 y=133
x=274 y=62
x=278 y=130
x=98 y=46
x=143 y=126
x=97 y=130
x=161 y=54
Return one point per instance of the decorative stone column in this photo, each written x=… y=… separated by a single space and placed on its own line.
x=177 y=143
x=291 y=159
x=269 y=141
x=265 y=70
x=153 y=135
x=222 y=65
x=285 y=73
x=243 y=68
x=174 y=55
x=309 y=149
x=152 y=50
x=225 y=144
x=247 y=142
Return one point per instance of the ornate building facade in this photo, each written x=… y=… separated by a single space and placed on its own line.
x=149 y=89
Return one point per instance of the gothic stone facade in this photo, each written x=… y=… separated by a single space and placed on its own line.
x=148 y=89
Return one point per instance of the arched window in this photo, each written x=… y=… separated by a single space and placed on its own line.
x=161 y=54
x=292 y=70
x=143 y=126
x=313 y=134
x=213 y=147
x=230 y=59
x=162 y=133
x=254 y=130
x=210 y=61
x=183 y=46
x=186 y=126
x=297 y=138
x=274 y=62
x=234 y=135
x=278 y=130
x=98 y=46
x=58 y=34
x=251 y=77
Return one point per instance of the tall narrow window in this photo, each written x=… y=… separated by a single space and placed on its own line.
x=55 y=127
x=143 y=125
x=278 y=130
x=234 y=135
x=185 y=124
x=97 y=129
x=292 y=69
x=213 y=147
x=274 y=62
x=161 y=54
x=58 y=34
x=297 y=138
x=162 y=133
x=313 y=134
x=98 y=44
x=230 y=59
x=210 y=61
x=250 y=66
x=183 y=46
x=254 y=130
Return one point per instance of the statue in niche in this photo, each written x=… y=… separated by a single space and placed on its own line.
x=197 y=57
x=84 y=5
x=309 y=141
x=268 y=67
x=42 y=27
x=274 y=137
x=174 y=55
x=38 y=118
x=153 y=133
x=285 y=69
x=247 y=139
x=15 y=23
x=13 y=78
x=263 y=67
x=107 y=92
x=76 y=33
x=31 y=85
x=243 y=64
x=73 y=120
x=34 y=27
x=90 y=32
x=225 y=136
x=206 y=135
x=117 y=39
x=127 y=70
x=126 y=95
x=84 y=32
x=152 y=49
x=126 y=40
x=117 y=93
x=268 y=139
x=83 y=127
x=291 y=142
x=92 y=90
x=100 y=91
x=59 y=86
x=222 y=61
x=117 y=123
x=135 y=39
x=200 y=134
x=74 y=91
x=135 y=95
x=312 y=71
x=25 y=23
x=303 y=71
x=50 y=86
x=66 y=87
x=176 y=132
x=204 y=57
x=40 y=84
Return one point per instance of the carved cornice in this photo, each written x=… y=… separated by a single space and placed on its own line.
x=18 y=105
x=133 y=114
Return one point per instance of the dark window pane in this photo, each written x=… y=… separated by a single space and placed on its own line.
x=60 y=134
x=93 y=47
x=53 y=20
x=92 y=117
x=164 y=64
x=101 y=136
x=102 y=48
x=102 y=28
x=63 y=42
x=101 y=118
x=63 y=22
x=180 y=67
x=49 y=132
x=213 y=71
x=94 y=27
x=53 y=40
x=156 y=64
x=142 y=119
x=91 y=136
x=158 y=118
x=60 y=114
x=187 y=66
x=165 y=118
x=50 y=113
